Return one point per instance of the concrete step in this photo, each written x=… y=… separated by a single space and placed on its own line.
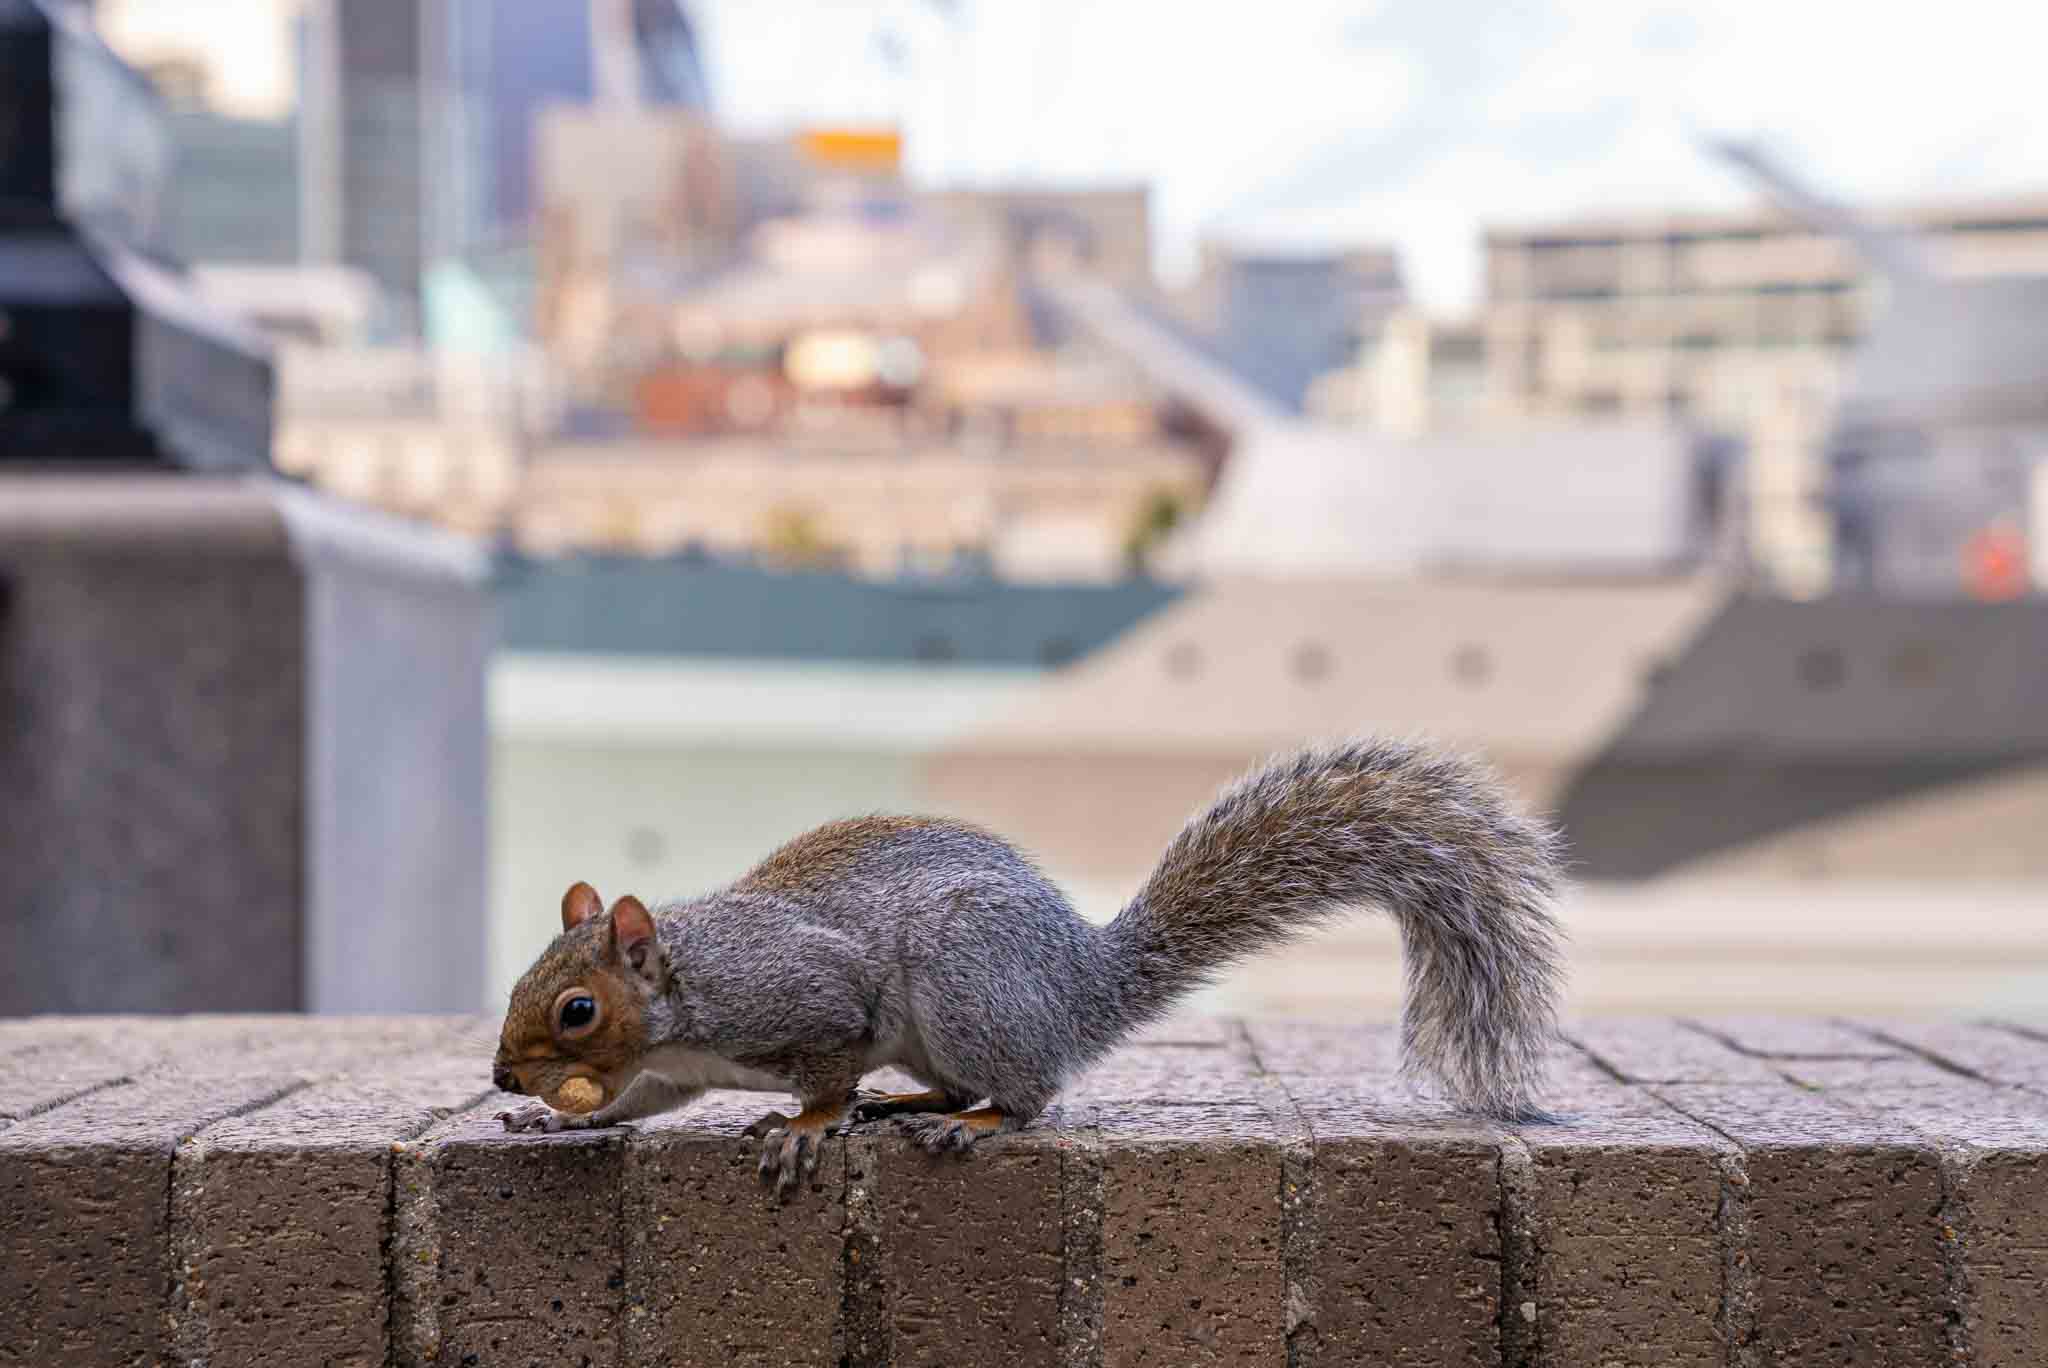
x=238 y=1190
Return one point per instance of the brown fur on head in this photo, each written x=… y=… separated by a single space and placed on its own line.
x=580 y=1011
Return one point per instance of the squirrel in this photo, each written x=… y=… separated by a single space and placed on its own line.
x=936 y=947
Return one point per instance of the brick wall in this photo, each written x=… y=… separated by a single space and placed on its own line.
x=250 y=1190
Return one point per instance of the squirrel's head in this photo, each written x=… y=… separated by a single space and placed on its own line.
x=581 y=1011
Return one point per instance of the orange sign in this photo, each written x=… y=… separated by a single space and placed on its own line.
x=857 y=149
x=1995 y=564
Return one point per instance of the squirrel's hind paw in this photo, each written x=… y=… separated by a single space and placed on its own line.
x=954 y=1131
x=789 y=1156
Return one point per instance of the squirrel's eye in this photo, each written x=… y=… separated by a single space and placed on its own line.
x=578 y=1012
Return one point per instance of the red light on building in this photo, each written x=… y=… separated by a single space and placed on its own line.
x=1995 y=564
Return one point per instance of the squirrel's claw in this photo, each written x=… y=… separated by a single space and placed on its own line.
x=939 y=1134
x=789 y=1156
x=539 y=1116
x=532 y=1116
x=866 y=1105
x=956 y=1131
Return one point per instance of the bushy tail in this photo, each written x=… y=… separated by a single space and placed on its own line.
x=1431 y=838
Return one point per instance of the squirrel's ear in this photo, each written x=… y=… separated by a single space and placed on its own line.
x=633 y=938
x=579 y=905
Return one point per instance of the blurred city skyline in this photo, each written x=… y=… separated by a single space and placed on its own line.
x=1407 y=123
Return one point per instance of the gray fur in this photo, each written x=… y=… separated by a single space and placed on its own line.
x=938 y=948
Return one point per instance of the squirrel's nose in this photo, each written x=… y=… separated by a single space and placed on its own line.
x=503 y=1080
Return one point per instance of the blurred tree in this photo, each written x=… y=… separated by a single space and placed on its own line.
x=1157 y=517
x=793 y=536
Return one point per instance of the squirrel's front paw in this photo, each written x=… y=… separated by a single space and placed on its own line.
x=789 y=1155
x=539 y=1116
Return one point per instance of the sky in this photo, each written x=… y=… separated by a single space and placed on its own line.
x=1324 y=122
x=1313 y=122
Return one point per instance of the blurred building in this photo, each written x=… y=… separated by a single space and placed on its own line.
x=1027 y=510
x=1105 y=231
x=785 y=174
x=1743 y=323
x=1936 y=459
x=632 y=203
x=1283 y=319
x=1416 y=375
x=325 y=305
x=235 y=194
x=438 y=436
x=417 y=119
x=514 y=63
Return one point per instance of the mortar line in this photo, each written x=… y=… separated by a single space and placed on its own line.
x=2032 y=1034
x=1300 y=1219
x=1518 y=1335
x=1732 y=1228
x=66 y=1099
x=415 y=1150
x=1768 y=1056
x=1933 y=1057
x=1597 y=1060
x=179 y=1314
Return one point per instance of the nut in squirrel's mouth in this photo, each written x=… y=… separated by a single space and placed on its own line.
x=579 y=1096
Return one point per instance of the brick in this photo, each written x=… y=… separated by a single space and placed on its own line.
x=717 y=1270
x=282 y=1218
x=972 y=1249
x=1625 y=1261
x=1181 y=1207
x=313 y=1046
x=1845 y=1230
x=1994 y=1146
x=35 y=1078
x=1793 y=1037
x=530 y=1260
x=1370 y=1056
x=1852 y=1076
x=1659 y=1050
x=1081 y=1203
x=1404 y=1209
x=83 y=1217
x=1191 y=1029
x=1990 y=1052
x=1191 y=1267
x=1171 y=1076
x=1367 y=1053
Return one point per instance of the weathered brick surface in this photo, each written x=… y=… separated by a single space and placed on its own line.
x=84 y=1235
x=1658 y=1050
x=1851 y=1076
x=1994 y=1147
x=1191 y=1266
x=1845 y=1229
x=1405 y=1207
x=1371 y=1055
x=1792 y=1037
x=228 y=1191
x=531 y=1264
x=1174 y=1075
x=283 y=1217
x=972 y=1251
x=40 y=1078
x=716 y=1272
x=1996 y=1054
x=1625 y=1262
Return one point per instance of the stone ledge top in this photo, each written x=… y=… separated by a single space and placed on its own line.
x=173 y=513
x=389 y=1079
x=1218 y=1190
